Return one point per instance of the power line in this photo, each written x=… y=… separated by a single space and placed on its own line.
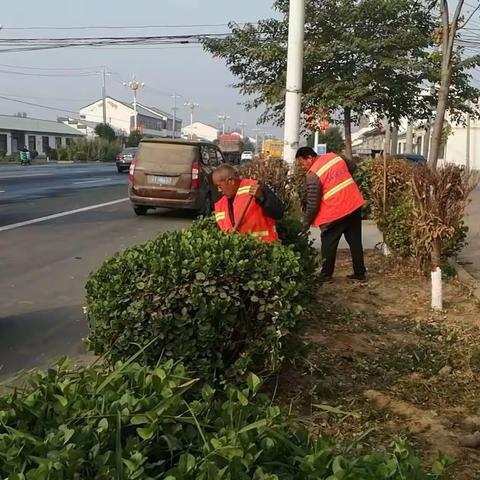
x=123 y=27
x=32 y=44
x=37 y=105
x=50 y=68
x=85 y=74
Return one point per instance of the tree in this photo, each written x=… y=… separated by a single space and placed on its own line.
x=134 y=138
x=360 y=56
x=452 y=68
x=333 y=138
x=104 y=130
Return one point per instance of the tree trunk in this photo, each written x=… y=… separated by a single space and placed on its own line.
x=449 y=32
x=394 y=140
x=348 y=132
x=426 y=140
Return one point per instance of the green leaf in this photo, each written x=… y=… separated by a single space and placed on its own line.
x=63 y=401
x=186 y=463
x=242 y=398
x=146 y=433
x=253 y=382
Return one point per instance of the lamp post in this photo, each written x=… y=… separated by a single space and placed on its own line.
x=134 y=86
x=223 y=118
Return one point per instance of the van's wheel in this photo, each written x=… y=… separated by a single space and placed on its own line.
x=207 y=208
x=140 y=210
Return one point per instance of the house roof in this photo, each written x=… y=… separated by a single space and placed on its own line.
x=36 y=125
x=141 y=109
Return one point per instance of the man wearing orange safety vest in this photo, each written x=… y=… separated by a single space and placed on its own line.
x=250 y=207
x=334 y=203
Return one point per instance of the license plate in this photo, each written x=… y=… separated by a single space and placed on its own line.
x=157 y=180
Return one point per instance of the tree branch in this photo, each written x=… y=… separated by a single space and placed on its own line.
x=465 y=23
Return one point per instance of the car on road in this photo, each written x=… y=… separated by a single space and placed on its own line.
x=412 y=157
x=174 y=174
x=247 y=156
x=124 y=158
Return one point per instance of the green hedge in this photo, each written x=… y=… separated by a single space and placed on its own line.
x=135 y=422
x=211 y=300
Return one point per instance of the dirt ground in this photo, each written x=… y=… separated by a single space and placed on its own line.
x=390 y=367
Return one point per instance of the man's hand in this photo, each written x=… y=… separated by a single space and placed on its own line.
x=256 y=191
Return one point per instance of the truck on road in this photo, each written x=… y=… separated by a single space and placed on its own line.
x=231 y=147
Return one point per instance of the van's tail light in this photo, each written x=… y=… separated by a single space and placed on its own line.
x=131 y=172
x=195 y=175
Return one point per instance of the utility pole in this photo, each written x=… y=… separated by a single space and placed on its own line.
x=192 y=106
x=293 y=96
x=174 y=110
x=257 y=131
x=104 y=96
x=467 y=156
x=242 y=126
x=223 y=118
x=134 y=86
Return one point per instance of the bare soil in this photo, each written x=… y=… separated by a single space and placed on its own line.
x=390 y=366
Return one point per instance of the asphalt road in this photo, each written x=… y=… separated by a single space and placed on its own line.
x=45 y=262
x=470 y=257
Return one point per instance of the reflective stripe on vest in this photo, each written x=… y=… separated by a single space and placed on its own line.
x=338 y=188
x=328 y=166
x=260 y=234
x=220 y=216
x=243 y=190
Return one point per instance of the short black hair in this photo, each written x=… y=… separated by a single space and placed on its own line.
x=304 y=152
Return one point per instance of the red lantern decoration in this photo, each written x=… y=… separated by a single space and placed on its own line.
x=324 y=125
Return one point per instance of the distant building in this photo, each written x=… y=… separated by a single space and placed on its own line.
x=370 y=141
x=120 y=115
x=37 y=135
x=200 y=131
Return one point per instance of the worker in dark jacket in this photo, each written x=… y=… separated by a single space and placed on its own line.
x=334 y=203
x=258 y=205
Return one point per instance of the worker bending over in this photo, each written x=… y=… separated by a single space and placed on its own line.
x=246 y=206
x=334 y=203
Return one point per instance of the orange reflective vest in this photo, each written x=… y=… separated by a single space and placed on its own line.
x=340 y=194
x=254 y=223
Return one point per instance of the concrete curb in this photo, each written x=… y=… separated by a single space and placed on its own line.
x=466 y=278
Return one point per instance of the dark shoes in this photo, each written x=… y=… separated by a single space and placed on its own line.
x=357 y=278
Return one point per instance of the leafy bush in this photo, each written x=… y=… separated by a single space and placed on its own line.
x=136 y=422
x=80 y=156
x=274 y=173
x=210 y=299
x=363 y=179
x=421 y=206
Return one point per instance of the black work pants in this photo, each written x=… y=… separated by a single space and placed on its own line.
x=351 y=227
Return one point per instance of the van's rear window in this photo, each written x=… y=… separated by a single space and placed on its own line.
x=168 y=157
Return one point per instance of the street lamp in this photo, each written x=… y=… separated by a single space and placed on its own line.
x=223 y=118
x=192 y=106
x=242 y=126
x=134 y=86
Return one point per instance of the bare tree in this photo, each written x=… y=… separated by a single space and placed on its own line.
x=449 y=31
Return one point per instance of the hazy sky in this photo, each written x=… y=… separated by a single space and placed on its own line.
x=188 y=70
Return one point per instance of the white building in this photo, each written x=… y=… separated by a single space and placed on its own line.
x=37 y=135
x=371 y=141
x=120 y=115
x=201 y=131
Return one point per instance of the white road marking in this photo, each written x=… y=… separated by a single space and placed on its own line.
x=2 y=191
x=92 y=181
x=59 y=215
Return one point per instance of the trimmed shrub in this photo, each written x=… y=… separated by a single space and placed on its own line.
x=80 y=156
x=211 y=300
x=143 y=423
x=421 y=205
